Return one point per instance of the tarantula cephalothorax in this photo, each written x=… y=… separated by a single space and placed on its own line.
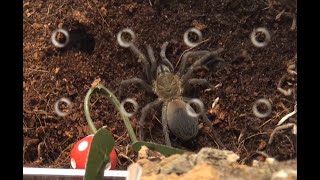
x=169 y=88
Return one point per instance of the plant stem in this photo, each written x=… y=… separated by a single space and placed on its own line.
x=100 y=89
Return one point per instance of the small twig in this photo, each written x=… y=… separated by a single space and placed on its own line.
x=157 y=119
x=279 y=15
x=127 y=149
x=241 y=82
x=279 y=87
x=290 y=69
x=265 y=123
x=214 y=102
x=47 y=106
x=214 y=140
x=213 y=87
x=291 y=102
x=251 y=137
x=38 y=70
x=263 y=154
x=56 y=12
x=126 y=157
x=247 y=157
x=190 y=50
x=240 y=136
x=284 y=107
x=39 y=150
x=61 y=153
x=218 y=85
x=288 y=115
x=120 y=137
x=92 y=105
x=293 y=148
x=41 y=126
x=279 y=128
x=277 y=115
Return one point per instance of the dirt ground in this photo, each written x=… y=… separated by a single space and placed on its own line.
x=250 y=73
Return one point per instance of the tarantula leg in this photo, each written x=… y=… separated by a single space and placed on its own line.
x=142 y=57
x=165 y=125
x=196 y=81
x=139 y=81
x=144 y=113
x=152 y=60
x=165 y=60
x=215 y=136
x=200 y=62
x=185 y=57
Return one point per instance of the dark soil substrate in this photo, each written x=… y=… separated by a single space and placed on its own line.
x=250 y=73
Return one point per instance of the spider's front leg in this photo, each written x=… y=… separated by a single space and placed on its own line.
x=186 y=56
x=152 y=60
x=195 y=82
x=136 y=51
x=144 y=113
x=211 y=56
x=142 y=57
x=164 y=58
x=138 y=81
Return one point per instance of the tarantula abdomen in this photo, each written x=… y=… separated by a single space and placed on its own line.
x=180 y=123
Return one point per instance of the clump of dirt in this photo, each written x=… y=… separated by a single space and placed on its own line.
x=211 y=163
x=250 y=73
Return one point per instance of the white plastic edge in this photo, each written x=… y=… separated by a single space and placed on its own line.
x=69 y=172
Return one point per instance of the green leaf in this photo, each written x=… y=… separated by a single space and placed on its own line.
x=101 y=147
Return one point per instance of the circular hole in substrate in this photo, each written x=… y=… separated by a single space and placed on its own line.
x=262 y=108
x=195 y=107
x=63 y=107
x=61 y=38
x=125 y=36
x=128 y=107
x=260 y=37
x=193 y=37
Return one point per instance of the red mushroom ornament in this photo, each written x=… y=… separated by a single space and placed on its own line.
x=80 y=151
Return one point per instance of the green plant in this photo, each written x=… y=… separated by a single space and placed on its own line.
x=103 y=142
x=101 y=147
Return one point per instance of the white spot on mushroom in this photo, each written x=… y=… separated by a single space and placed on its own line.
x=83 y=146
x=73 y=163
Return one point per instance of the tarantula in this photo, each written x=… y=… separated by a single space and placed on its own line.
x=169 y=88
